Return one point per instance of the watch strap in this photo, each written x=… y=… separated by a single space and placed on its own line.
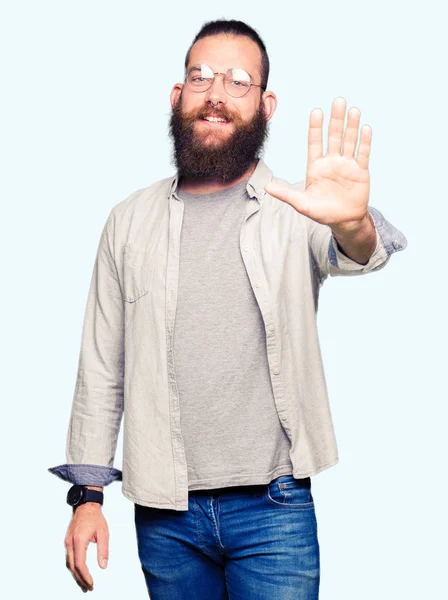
x=92 y=496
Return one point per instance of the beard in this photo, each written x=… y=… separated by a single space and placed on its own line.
x=207 y=154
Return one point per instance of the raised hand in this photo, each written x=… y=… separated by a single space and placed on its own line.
x=337 y=186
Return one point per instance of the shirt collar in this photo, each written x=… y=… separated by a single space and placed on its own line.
x=255 y=185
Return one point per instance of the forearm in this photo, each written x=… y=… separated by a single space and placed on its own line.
x=357 y=241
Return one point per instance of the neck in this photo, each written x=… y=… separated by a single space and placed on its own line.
x=210 y=185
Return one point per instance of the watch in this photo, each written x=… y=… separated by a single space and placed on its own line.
x=79 y=494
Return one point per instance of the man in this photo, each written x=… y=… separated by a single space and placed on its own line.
x=200 y=329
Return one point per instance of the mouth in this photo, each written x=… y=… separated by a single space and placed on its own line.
x=215 y=121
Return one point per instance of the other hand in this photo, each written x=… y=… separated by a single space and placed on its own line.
x=87 y=525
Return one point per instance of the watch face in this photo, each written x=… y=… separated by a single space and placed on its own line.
x=74 y=495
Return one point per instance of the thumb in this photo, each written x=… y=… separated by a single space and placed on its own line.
x=286 y=193
x=102 y=548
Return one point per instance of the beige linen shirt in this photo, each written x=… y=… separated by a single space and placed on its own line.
x=126 y=367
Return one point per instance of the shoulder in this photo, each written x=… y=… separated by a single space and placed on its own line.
x=141 y=198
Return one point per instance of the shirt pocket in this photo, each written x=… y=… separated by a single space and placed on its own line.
x=136 y=273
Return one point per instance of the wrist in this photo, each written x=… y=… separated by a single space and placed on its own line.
x=93 y=487
x=352 y=229
x=80 y=494
x=87 y=507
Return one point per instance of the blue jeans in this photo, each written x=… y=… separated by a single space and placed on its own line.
x=240 y=543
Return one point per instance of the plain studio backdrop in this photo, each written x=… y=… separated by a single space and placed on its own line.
x=85 y=109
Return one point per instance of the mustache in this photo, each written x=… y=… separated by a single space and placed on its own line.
x=190 y=117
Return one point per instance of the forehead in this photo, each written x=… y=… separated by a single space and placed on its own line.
x=223 y=52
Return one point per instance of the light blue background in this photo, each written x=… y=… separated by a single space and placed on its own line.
x=84 y=125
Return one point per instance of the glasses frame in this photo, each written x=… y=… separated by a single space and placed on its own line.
x=251 y=85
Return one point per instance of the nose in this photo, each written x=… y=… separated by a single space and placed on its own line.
x=216 y=93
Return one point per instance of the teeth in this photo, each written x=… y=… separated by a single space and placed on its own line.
x=215 y=119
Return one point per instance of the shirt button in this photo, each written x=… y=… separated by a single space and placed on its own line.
x=396 y=245
x=283 y=418
x=276 y=372
x=246 y=248
x=271 y=328
x=257 y=284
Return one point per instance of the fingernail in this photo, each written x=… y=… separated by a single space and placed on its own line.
x=104 y=563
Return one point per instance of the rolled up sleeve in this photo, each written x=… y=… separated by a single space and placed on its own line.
x=332 y=261
x=98 y=475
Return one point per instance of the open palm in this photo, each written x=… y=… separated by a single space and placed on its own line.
x=337 y=185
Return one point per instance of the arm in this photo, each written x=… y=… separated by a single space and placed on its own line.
x=389 y=239
x=334 y=260
x=97 y=406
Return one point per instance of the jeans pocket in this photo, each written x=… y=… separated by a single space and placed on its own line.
x=288 y=492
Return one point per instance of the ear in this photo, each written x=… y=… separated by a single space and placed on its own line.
x=175 y=94
x=269 y=100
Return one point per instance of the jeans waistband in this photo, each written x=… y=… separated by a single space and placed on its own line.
x=233 y=489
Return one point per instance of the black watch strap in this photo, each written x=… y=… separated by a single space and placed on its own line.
x=92 y=496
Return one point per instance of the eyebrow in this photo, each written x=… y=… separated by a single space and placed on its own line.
x=196 y=67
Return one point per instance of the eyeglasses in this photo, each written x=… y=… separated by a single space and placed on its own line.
x=237 y=83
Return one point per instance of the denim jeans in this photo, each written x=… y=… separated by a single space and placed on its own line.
x=239 y=543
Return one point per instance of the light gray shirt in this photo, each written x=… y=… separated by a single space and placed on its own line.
x=230 y=426
x=133 y=361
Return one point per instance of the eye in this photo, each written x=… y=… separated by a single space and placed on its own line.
x=236 y=83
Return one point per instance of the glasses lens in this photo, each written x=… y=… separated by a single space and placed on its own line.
x=237 y=83
x=200 y=77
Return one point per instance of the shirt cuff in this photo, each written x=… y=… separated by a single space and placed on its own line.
x=87 y=474
x=342 y=262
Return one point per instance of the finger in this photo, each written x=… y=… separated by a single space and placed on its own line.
x=81 y=570
x=365 y=144
x=82 y=586
x=336 y=127
x=70 y=563
x=315 y=135
x=286 y=193
x=103 y=547
x=351 y=133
